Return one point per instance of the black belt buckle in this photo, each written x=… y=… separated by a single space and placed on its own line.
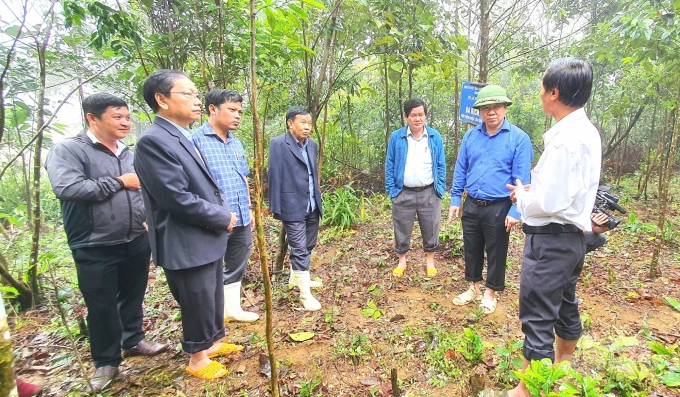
x=481 y=202
x=417 y=188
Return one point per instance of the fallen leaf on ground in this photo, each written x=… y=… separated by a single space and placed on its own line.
x=301 y=336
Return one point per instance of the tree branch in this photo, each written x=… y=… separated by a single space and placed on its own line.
x=54 y=114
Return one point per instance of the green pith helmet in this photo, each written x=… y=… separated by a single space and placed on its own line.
x=490 y=95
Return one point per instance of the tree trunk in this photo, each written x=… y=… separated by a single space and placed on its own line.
x=654 y=268
x=400 y=97
x=648 y=160
x=281 y=251
x=37 y=168
x=25 y=297
x=8 y=385
x=387 y=105
x=261 y=245
x=483 y=41
x=322 y=141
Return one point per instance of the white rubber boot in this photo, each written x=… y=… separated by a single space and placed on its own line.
x=301 y=280
x=232 y=305
x=312 y=283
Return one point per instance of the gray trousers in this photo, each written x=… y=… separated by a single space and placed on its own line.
x=548 y=305
x=302 y=237
x=239 y=246
x=428 y=207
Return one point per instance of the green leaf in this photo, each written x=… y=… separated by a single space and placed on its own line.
x=671 y=379
x=658 y=348
x=299 y=12
x=147 y=3
x=314 y=3
x=12 y=31
x=674 y=304
x=301 y=336
x=9 y=292
x=623 y=341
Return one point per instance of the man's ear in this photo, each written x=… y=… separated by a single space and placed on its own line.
x=90 y=118
x=555 y=94
x=160 y=100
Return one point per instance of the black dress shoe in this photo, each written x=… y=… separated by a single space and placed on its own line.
x=103 y=376
x=145 y=348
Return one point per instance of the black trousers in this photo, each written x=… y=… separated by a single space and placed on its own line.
x=200 y=294
x=238 y=251
x=484 y=227
x=302 y=238
x=548 y=304
x=113 y=281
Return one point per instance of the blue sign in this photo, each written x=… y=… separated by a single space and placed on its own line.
x=468 y=96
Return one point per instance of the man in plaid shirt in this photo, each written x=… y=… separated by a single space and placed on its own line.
x=224 y=155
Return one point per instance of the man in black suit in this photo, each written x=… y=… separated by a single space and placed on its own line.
x=187 y=216
x=295 y=198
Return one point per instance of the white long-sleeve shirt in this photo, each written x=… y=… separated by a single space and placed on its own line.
x=565 y=180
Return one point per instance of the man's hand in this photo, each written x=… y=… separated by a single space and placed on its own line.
x=130 y=181
x=515 y=188
x=453 y=212
x=599 y=223
x=232 y=222
x=510 y=222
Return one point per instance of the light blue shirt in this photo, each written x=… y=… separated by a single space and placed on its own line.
x=185 y=131
x=486 y=163
x=305 y=156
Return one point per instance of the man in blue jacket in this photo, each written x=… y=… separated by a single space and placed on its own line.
x=415 y=180
x=491 y=155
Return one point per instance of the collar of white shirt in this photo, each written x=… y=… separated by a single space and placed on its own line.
x=572 y=117
x=408 y=132
x=119 y=145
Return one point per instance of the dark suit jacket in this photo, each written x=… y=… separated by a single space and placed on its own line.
x=186 y=213
x=289 y=180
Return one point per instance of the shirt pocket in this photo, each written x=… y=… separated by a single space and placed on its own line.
x=502 y=155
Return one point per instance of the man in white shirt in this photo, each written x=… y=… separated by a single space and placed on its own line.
x=556 y=211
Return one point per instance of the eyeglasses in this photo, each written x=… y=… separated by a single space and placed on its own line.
x=189 y=95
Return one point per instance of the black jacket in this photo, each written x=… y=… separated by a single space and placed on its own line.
x=97 y=211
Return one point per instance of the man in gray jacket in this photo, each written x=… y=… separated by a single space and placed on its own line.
x=93 y=176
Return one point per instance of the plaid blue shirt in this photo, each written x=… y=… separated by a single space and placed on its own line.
x=228 y=164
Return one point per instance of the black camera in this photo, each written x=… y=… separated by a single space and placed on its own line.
x=605 y=202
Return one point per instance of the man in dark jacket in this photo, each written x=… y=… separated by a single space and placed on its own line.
x=188 y=218
x=294 y=196
x=93 y=177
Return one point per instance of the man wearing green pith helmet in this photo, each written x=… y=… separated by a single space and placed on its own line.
x=490 y=155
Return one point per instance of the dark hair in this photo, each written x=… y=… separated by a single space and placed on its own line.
x=220 y=96
x=160 y=82
x=412 y=104
x=573 y=78
x=294 y=112
x=97 y=104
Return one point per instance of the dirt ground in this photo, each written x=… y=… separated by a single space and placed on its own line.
x=617 y=299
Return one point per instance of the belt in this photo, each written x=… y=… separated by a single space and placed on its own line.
x=550 y=228
x=484 y=203
x=418 y=188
